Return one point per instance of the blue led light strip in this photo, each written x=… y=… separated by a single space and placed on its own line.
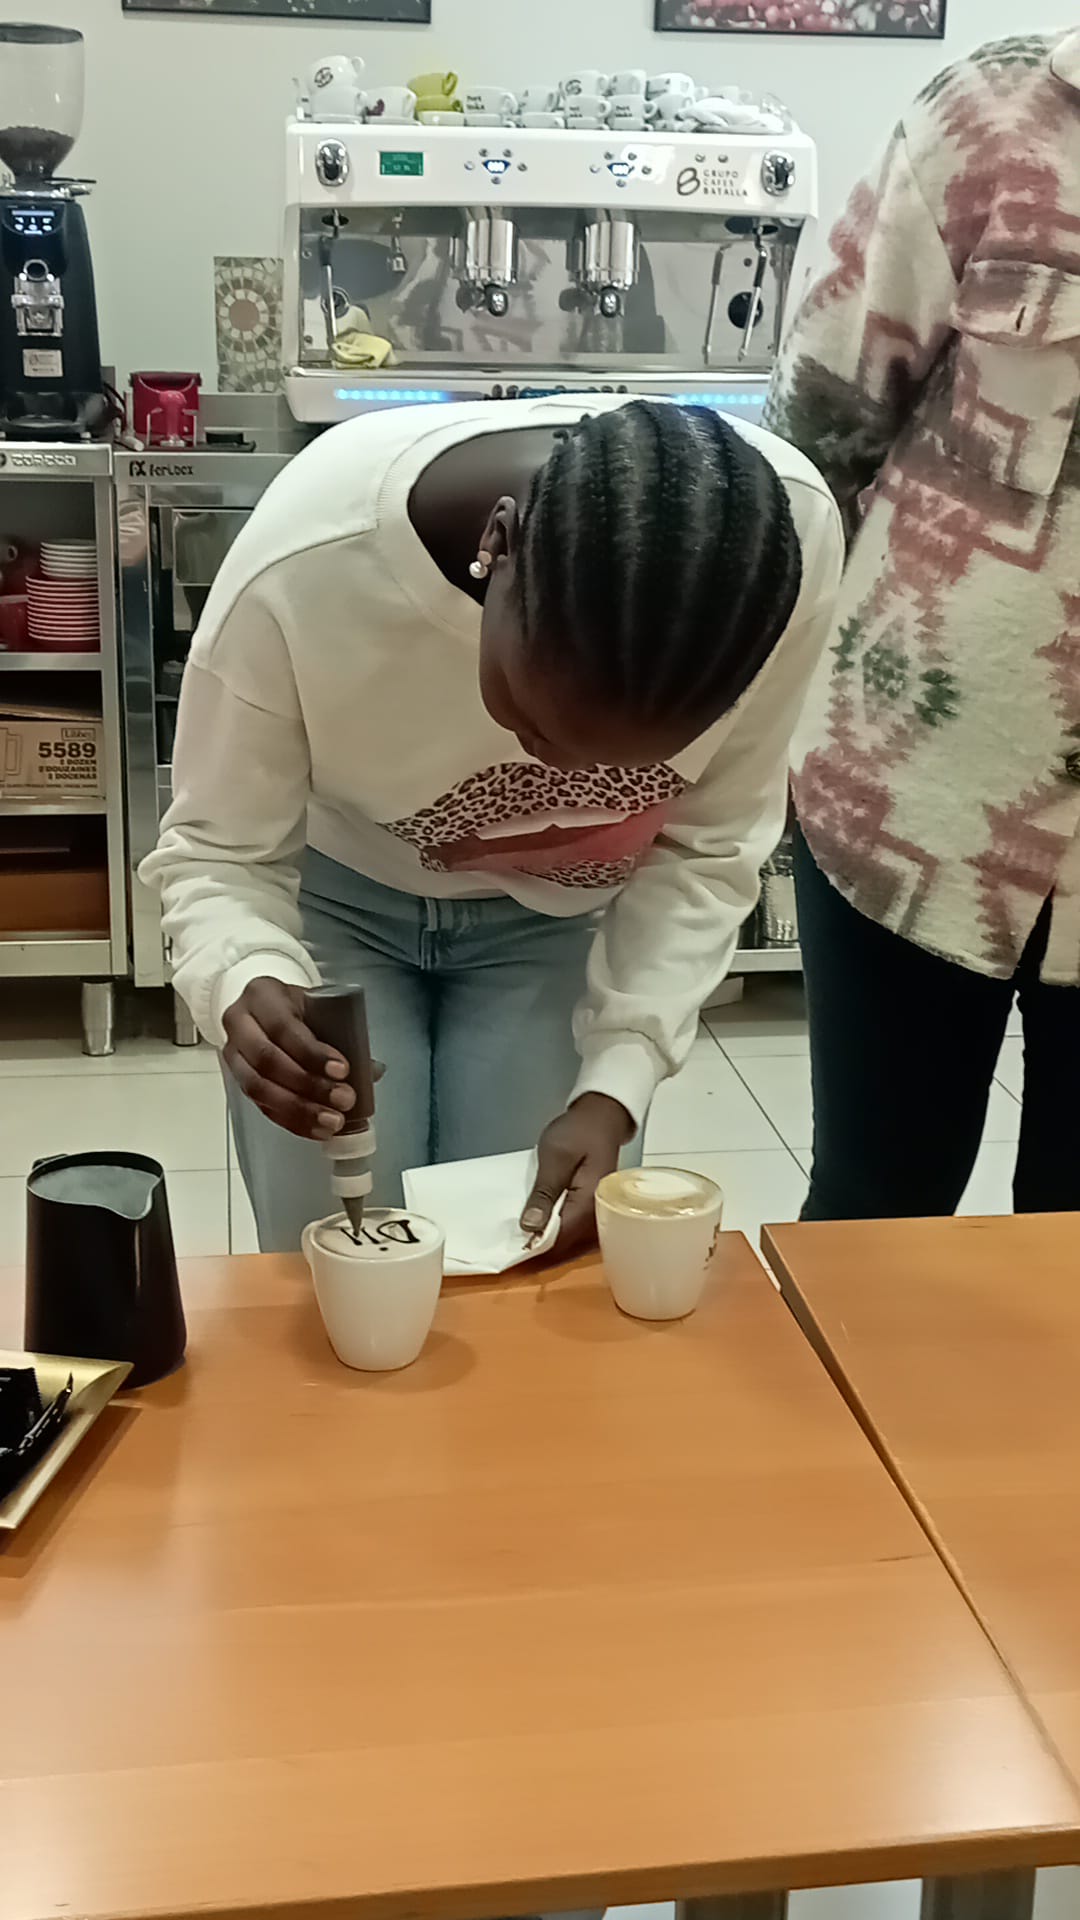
x=426 y=396
x=393 y=396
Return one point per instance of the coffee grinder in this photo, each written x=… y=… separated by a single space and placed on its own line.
x=51 y=385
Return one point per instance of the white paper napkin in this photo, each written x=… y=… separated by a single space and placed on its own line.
x=478 y=1204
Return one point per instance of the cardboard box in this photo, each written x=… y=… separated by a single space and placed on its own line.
x=51 y=753
x=55 y=901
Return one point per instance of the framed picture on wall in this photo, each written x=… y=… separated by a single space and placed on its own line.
x=410 y=12
x=881 y=19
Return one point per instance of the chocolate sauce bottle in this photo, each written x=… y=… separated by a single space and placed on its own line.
x=338 y=1017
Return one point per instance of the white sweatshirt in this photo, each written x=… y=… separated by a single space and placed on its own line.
x=331 y=697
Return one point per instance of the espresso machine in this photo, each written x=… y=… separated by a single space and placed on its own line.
x=51 y=385
x=433 y=262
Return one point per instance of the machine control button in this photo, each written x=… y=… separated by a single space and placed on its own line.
x=470 y=166
x=595 y=169
x=496 y=168
x=332 y=163
x=778 y=173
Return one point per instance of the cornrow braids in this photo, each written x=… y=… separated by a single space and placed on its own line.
x=659 y=560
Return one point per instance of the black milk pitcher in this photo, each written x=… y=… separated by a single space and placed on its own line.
x=101 y=1279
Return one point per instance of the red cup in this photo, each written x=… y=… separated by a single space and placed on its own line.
x=13 y=624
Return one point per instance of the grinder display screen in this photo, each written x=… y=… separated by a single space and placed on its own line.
x=399 y=165
x=33 y=220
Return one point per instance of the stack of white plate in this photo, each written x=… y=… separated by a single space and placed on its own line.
x=62 y=615
x=69 y=560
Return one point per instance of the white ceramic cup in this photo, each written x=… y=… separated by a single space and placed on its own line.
x=658 y=1231
x=627 y=110
x=587 y=110
x=394 y=106
x=587 y=80
x=659 y=83
x=668 y=109
x=538 y=98
x=496 y=100
x=537 y=120
x=333 y=87
x=630 y=80
x=378 y=1290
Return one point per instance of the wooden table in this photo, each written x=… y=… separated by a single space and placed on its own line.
x=574 y=1611
x=957 y=1343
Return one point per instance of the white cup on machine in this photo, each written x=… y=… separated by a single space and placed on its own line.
x=538 y=98
x=659 y=1229
x=630 y=80
x=489 y=106
x=661 y=83
x=587 y=81
x=669 y=109
x=393 y=106
x=586 y=110
x=333 y=87
x=626 y=112
x=378 y=1289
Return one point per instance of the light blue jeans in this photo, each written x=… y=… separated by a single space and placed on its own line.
x=469 y=1008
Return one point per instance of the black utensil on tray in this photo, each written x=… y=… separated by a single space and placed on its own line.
x=27 y=1426
x=101 y=1278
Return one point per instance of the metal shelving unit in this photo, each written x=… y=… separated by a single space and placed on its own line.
x=768 y=960
x=47 y=491
x=51 y=809
x=32 y=956
x=178 y=515
x=50 y=663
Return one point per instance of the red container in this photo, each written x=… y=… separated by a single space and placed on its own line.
x=13 y=622
x=166 y=408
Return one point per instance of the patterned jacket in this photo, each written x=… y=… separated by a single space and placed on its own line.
x=933 y=376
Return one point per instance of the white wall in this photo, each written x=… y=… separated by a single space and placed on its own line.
x=184 y=118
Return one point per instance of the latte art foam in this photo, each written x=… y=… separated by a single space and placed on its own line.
x=659 y=1193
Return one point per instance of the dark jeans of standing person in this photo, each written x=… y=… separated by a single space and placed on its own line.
x=903 y=1048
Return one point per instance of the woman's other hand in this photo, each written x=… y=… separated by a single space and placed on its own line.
x=276 y=1060
x=578 y=1148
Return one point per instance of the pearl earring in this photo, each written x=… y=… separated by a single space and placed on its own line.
x=481 y=566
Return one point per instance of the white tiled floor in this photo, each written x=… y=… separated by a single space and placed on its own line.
x=741 y=1112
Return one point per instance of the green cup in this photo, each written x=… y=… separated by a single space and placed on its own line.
x=433 y=90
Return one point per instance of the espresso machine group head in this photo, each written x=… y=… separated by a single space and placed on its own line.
x=51 y=385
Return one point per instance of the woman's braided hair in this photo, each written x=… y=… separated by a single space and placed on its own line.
x=659 y=562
